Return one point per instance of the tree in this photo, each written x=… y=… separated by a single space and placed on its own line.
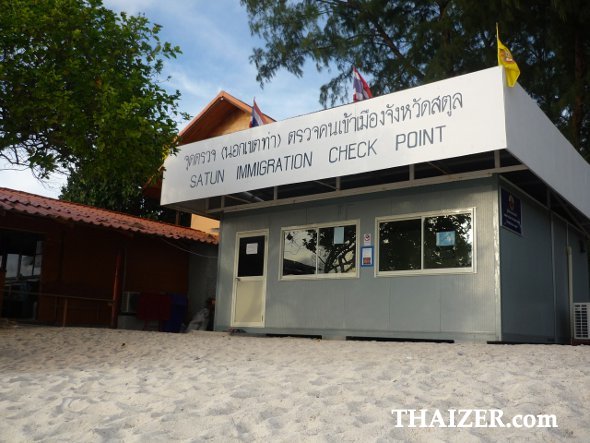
x=403 y=43
x=80 y=92
x=116 y=195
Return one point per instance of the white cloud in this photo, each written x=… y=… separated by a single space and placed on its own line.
x=132 y=7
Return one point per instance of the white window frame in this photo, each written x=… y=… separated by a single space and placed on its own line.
x=422 y=215
x=318 y=276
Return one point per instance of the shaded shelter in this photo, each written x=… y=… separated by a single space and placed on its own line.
x=69 y=263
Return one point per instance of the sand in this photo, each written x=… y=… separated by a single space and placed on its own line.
x=101 y=385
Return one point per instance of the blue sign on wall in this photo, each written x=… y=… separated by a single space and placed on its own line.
x=511 y=212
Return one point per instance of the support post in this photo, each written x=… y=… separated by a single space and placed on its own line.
x=116 y=291
x=2 y=279
x=64 y=317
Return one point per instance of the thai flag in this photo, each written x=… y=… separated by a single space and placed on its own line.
x=256 y=119
x=361 y=88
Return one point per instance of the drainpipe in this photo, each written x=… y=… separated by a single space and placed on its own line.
x=570 y=290
x=553 y=277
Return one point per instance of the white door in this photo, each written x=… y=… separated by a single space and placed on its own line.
x=249 y=291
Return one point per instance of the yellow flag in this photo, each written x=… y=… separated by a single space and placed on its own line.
x=505 y=59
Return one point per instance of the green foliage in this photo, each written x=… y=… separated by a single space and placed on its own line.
x=80 y=92
x=117 y=194
x=403 y=43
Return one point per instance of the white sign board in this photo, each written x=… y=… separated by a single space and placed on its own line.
x=451 y=118
x=251 y=248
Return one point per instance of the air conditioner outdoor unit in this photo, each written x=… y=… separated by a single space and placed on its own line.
x=582 y=321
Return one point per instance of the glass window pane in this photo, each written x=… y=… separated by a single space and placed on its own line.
x=399 y=245
x=299 y=252
x=12 y=265
x=26 y=265
x=38 y=262
x=337 y=250
x=38 y=258
x=251 y=256
x=448 y=241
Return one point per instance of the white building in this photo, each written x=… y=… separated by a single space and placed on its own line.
x=455 y=210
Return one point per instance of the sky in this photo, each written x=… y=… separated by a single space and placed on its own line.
x=216 y=44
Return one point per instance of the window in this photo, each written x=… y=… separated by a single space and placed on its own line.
x=426 y=243
x=251 y=256
x=12 y=264
x=399 y=245
x=20 y=255
x=447 y=241
x=299 y=252
x=319 y=251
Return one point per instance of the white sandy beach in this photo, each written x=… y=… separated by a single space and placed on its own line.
x=100 y=385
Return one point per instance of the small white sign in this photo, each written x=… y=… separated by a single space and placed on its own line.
x=367 y=239
x=339 y=235
x=251 y=248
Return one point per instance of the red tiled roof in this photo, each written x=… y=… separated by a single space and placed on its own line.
x=31 y=204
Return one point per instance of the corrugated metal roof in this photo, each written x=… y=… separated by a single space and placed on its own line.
x=31 y=204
